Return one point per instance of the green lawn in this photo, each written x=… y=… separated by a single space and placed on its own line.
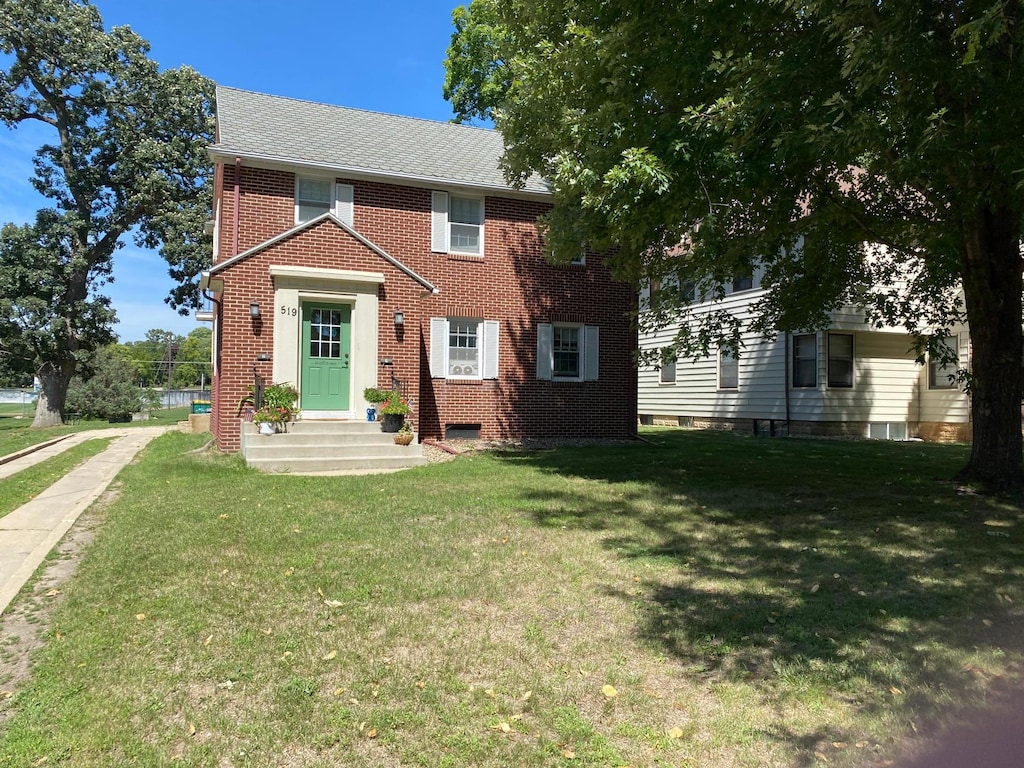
x=705 y=600
x=16 y=429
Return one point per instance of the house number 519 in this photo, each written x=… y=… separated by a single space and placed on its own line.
x=289 y=311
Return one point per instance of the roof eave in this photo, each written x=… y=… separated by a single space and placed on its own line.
x=223 y=154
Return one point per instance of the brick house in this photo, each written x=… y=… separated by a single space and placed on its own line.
x=353 y=249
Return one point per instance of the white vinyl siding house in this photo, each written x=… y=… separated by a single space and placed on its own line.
x=851 y=379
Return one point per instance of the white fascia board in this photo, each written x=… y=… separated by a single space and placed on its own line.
x=220 y=154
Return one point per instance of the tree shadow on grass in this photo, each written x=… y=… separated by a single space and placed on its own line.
x=854 y=568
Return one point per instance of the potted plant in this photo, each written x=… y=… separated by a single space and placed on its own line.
x=278 y=408
x=404 y=434
x=374 y=396
x=394 y=410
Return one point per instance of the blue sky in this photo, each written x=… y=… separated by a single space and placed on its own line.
x=384 y=56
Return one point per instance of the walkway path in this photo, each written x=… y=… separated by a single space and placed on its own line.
x=28 y=533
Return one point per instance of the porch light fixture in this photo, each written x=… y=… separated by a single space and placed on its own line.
x=254 y=310
x=399 y=317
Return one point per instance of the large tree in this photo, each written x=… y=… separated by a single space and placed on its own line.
x=694 y=137
x=127 y=159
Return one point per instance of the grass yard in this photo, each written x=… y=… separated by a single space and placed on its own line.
x=705 y=600
x=16 y=429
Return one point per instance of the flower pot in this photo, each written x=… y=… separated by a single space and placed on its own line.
x=403 y=438
x=266 y=428
x=392 y=422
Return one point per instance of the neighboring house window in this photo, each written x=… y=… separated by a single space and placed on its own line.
x=742 y=283
x=457 y=224
x=728 y=369
x=567 y=352
x=654 y=288
x=668 y=366
x=840 y=360
x=463 y=348
x=315 y=197
x=943 y=375
x=688 y=291
x=805 y=360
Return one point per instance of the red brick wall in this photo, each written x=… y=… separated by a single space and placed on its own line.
x=511 y=283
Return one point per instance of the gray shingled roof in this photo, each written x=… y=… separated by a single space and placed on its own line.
x=291 y=130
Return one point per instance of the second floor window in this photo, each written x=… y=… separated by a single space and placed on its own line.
x=312 y=198
x=466 y=219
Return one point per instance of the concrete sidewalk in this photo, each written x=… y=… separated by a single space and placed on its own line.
x=28 y=533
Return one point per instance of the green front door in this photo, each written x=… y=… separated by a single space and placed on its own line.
x=326 y=344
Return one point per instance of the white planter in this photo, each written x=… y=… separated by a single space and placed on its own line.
x=266 y=428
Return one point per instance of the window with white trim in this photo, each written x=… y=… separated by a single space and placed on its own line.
x=805 y=360
x=567 y=352
x=668 y=366
x=457 y=224
x=312 y=198
x=315 y=197
x=743 y=282
x=728 y=369
x=840 y=360
x=463 y=348
x=943 y=375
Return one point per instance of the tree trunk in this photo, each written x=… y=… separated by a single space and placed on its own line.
x=53 y=392
x=992 y=292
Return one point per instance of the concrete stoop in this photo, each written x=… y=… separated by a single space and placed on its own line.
x=328 y=446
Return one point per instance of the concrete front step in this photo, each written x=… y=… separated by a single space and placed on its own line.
x=326 y=446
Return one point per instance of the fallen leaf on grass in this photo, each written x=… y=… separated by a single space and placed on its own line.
x=208 y=640
x=820 y=757
x=675 y=733
x=227 y=685
x=609 y=691
x=140 y=616
x=329 y=655
x=338 y=691
x=840 y=744
x=420 y=684
x=191 y=729
x=568 y=754
x=526 y=696
x=333 y=603
x=53 y=593
x=372 y=733
x=502 y=726
x=895 y=691
x=861 y=744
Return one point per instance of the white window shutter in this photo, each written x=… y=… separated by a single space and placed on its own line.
x=343 y=203
x=544 y=341
x=590 y=352
x=439 y=222
x=490 y=364
x=438 y=347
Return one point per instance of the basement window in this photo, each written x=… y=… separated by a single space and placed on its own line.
x=462 y=431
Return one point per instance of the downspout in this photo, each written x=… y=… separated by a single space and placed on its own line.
x=234 y=216
x=785 y=365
